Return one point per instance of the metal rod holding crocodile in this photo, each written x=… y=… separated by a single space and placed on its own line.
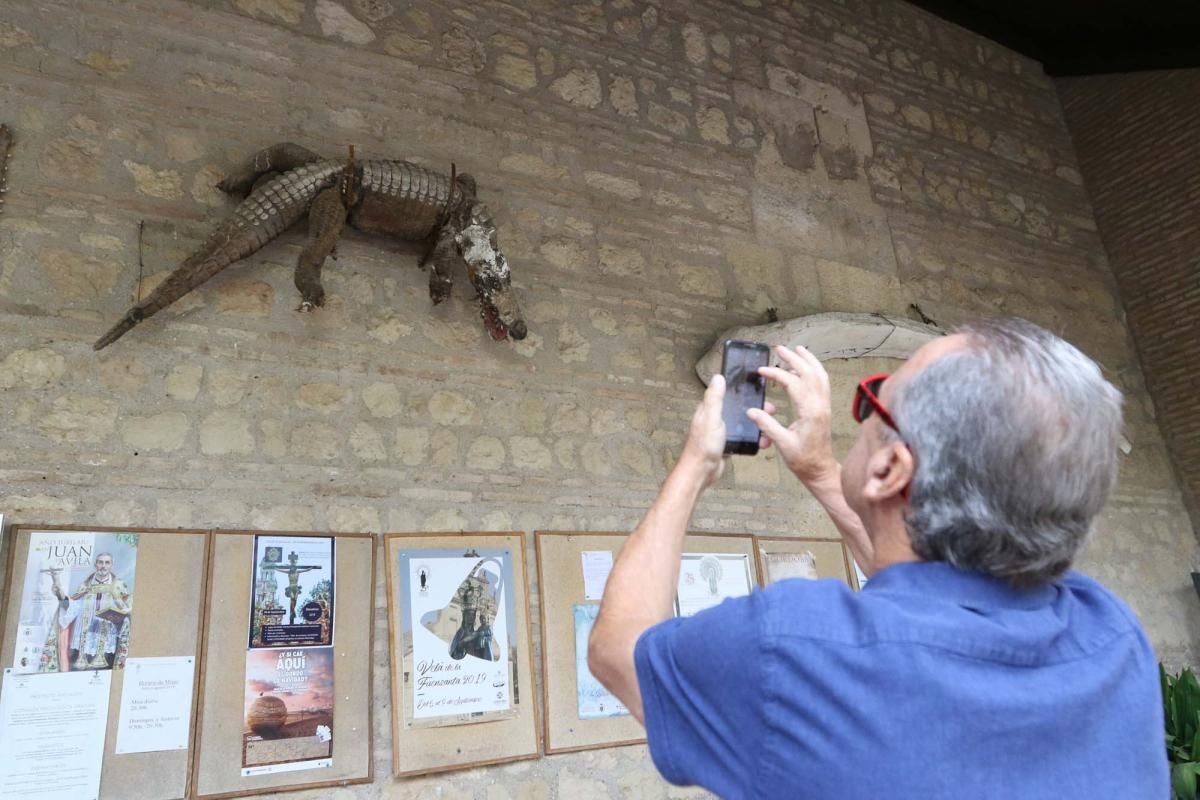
x=286 y=182
x=6 y=141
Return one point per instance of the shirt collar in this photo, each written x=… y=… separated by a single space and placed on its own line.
x=974 y=589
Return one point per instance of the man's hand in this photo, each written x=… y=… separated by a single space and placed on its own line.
x=704 y=450
x=806 y=445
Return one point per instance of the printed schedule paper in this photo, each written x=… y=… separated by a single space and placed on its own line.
x=156 y=704
x=597 y=564
x=52 y=730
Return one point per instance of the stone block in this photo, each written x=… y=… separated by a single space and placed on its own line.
x=226 y=433
x=165 y=432
x=316 y=441
x=412 y=446
x=579 y=87
x=514 y=71
x=36 y=369
x=453 y=408
x=338 y=23
x=78 y=419
x=485 y=453
x=251 y=298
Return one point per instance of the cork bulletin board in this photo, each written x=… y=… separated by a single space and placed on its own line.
x=827 y=558
x=561 y=581
x=424 y=743
x=219 y=726
x=169 y=579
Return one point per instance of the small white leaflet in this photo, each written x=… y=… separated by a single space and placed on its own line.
x=597 y=564
x=156 y=704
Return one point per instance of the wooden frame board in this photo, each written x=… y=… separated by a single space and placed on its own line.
x=170 y=580
x=560 y=581
x=217 y=763
x=426 y=750
x=832 y=559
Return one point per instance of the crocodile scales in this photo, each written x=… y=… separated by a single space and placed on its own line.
x=285 y=182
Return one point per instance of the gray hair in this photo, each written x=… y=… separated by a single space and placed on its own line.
x=1015 y=439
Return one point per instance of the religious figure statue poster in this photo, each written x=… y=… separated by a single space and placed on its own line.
x=289 y=710
x=459 y=628
x=292 y=597
x=77 y=602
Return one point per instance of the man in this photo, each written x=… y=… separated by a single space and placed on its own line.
x=97 y=618
x=973 y=664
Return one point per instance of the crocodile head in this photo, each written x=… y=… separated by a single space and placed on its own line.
x=488 y=270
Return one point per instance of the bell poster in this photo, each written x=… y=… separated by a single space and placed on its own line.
x=460 y=620
x=77 y=602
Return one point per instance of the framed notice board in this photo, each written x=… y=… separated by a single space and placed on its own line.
x=286 y=680
x=463 y=690
x=579 y=713
x=112 y=602
x=781 y=557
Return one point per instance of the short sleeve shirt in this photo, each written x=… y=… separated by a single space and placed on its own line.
x=932 y=682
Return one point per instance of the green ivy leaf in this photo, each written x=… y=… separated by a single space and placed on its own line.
x=1183 y=781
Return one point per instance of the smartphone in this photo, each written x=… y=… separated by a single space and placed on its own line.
x=744 y=389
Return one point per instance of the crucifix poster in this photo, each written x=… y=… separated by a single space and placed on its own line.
x=77 y=601
x=292 y=597
x=459 y=627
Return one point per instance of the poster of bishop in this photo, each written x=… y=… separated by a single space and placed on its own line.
x=77 y=602
x=459 y=616
x=293 y=592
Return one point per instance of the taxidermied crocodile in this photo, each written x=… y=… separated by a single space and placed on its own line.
x=5 y=145
x=285 y=182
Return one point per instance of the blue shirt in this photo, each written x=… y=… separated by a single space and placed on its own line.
x=930 y=683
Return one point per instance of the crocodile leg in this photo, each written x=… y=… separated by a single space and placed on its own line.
x=326 y=219
x=280 y=157
x=440 y=259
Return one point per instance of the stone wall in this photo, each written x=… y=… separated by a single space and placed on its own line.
x=1138 y=140
x=660 y=171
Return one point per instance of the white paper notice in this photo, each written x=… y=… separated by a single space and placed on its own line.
x=862 y=578
x=156 y=704
x=52 y=735
x=705 y=579
x=596 y=566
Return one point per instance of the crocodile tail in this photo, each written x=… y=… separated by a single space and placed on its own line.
x=195 y=270
x=266 y=213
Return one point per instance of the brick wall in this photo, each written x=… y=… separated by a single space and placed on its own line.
x=1138 y=141
x=660 y=171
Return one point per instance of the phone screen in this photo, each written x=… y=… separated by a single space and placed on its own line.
x=744 y=389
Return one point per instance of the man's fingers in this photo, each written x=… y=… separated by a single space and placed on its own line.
x=769 y=426
x=793 y=359
x=812 y=366
x=770 y=408
x=781 y=376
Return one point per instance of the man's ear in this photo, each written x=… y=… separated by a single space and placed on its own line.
x=889 y=472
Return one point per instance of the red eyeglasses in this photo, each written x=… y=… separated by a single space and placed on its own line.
x=866 y=401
